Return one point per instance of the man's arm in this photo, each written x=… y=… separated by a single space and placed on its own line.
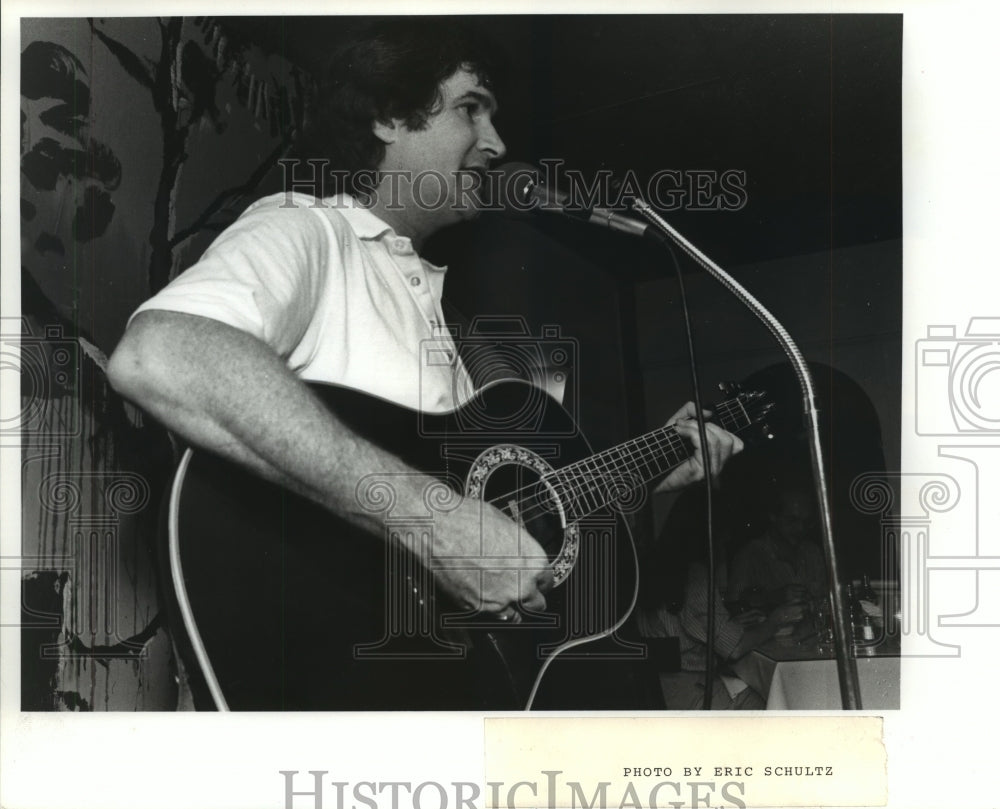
x=223 y=390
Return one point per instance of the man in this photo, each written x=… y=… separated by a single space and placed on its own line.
x=785 y=563
x=675 y=603
x=333 y=290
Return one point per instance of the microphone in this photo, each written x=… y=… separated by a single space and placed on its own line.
x=521 y=191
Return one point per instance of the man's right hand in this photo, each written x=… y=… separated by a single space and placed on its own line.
x=487 y=562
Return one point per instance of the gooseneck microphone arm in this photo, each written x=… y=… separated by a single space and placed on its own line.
x=847 y=671
x=521 y=192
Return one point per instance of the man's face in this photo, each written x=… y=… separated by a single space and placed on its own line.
x=795 y=519
x=434 y=171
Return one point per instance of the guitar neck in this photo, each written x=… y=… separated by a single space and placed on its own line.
x=612 y=475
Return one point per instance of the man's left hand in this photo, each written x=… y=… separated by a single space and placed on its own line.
x=722 y=445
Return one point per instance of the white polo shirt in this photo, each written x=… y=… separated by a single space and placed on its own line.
x=336 y=293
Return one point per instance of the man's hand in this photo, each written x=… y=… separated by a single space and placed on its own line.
x=787 y=614
x=488 y=562
x=761 y=631
x=722 y=445
x=749 y=618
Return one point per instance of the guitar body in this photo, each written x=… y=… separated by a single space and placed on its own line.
x=297 y=610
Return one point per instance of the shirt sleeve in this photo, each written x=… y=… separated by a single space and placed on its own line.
x=262 y=275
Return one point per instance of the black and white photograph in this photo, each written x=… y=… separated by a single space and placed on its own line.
x=369 y=376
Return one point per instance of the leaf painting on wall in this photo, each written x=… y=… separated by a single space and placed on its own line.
x=61 y=155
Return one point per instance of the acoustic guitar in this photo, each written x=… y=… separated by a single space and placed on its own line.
x=285 y=606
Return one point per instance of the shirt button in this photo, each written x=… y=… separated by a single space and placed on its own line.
x=414 y=281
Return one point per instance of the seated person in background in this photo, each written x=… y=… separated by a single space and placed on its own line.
x=785 y=563
x=674 y=600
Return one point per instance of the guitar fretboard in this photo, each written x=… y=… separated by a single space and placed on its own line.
x=612 y=475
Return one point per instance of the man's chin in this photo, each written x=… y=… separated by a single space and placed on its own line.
x=467 y=208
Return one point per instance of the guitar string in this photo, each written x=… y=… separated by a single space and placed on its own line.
x=533 y=504
x=667 y=440
x=587 y=472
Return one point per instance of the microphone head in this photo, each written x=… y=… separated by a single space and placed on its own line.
x=516 y=189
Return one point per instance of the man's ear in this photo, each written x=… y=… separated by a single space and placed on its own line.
x=386 y=131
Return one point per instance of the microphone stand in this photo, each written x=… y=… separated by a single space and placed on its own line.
x=847 y=670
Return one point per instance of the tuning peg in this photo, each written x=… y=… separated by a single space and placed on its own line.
x=729 y=388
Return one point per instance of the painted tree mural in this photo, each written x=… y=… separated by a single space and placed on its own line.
x=140 y=139
x=183 y=83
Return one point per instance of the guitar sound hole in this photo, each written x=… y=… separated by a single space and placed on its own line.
x=518 y=492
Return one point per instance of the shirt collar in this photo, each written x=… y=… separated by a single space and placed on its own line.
x=366 y=225
x=362 y=221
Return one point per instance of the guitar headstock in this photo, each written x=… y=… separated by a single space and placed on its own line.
x=744 y=412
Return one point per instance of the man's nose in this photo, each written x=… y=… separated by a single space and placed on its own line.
x=490 y=141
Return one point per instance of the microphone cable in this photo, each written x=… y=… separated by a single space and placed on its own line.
x=707 y=467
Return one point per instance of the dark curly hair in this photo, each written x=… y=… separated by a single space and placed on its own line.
x=391 y=68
